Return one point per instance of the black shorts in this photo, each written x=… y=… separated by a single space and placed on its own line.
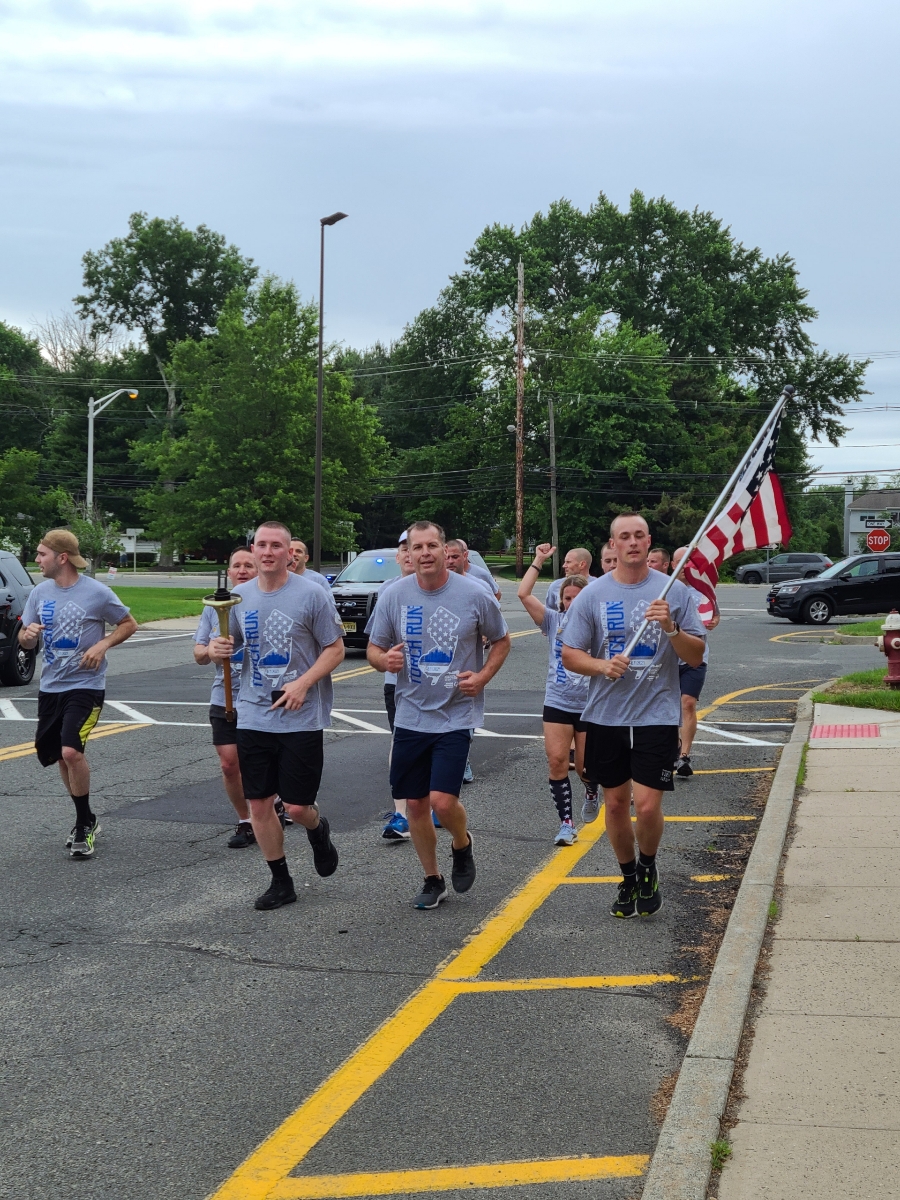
x=286 y=764
x=224 y=731
x=559 y=716
x=428 y=762
x=65 y=719
x=613 y=754
x=389 y=703
x=692 y=679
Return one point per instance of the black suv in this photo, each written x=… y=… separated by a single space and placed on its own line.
x=783 y=566
x=356 y=589
x=16 y=665
x=863 y=583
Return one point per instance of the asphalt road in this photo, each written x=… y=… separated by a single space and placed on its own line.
x=156 y=1029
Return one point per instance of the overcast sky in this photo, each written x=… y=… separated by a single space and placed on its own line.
x=426 y=120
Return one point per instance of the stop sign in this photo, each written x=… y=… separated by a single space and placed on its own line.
x=878 y=539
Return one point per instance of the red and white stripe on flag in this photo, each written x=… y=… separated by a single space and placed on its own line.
x=747 y=522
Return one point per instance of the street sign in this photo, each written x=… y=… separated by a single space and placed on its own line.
x=878 y=523
x=878 y=539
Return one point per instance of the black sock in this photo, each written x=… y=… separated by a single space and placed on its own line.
x=591 y=788
x=646 y=860
x=279 y=869
x=562 y=798
x=83 y=814
x=629 y=869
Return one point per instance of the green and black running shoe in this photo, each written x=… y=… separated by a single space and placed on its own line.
x=81 y=840
x=624 y=903
x=649 y=897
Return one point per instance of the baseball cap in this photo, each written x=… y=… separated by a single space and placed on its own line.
x=404 y=537
x=63 y=541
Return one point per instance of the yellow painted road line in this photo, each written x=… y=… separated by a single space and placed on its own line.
x=562 y=982
x=258 y=1177
x=699 y=820
x=447 y=1179
x=353 y=674
x=592 y=879
x=524 y=633
x=730 y=697
x=798 y=633
x=709 y=878
x=26 y=748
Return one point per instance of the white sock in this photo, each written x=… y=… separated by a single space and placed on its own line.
x=400 y=807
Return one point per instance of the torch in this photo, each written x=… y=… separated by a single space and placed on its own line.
x=223 y=601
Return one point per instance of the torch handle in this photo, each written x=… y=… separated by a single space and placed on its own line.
x=224 y=631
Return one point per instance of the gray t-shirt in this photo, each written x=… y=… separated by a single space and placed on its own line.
x=442 y=632
x=283 y=633
x=564 y=689
x=602 y=620
x=699 y=598
x=74 y=618
x=206 y=630
x=315 y=577
x=389 y=676
x=483 y=576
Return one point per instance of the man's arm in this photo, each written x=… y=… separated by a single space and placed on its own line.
x=583 y=663
x=94 y=655
x=392 y=660
x=295 y=692
x=472 y=683
x=687 y=646
x=534 y=607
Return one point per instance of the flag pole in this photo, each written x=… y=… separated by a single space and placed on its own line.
x=763 y=433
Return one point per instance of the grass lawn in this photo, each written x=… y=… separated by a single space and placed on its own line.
x=862 y=628
x=154 y=604
x=863 y=689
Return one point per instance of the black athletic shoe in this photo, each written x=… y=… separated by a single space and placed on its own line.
x=683 y=768
x=280 y=891
x=624 y=904
x=92 y=827
x=434 y=890
x=463 y=874
x=281 y=814
x=649 y=897
x=325 y=855
x=242 y=837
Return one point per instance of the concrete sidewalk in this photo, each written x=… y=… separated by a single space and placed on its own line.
x=821 y=1117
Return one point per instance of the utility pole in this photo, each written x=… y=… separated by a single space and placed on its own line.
x=320 y=395
x=554 y=524
x=95 y=407
x=520 y=424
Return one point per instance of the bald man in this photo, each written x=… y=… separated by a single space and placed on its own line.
x=576 y=562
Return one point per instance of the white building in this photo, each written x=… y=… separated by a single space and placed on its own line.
x=867 y=512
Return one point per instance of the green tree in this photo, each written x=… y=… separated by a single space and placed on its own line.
x=26 y=508
x=247 y=450
x=26 y=392
x=98 y=535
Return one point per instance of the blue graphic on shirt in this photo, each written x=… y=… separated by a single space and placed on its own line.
x=276 y=644
x=250 y=623
x=618 y=633
x=436 y=662
x=63 y=629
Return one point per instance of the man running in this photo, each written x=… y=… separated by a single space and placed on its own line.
x=457 y=555
x=608 y=559
x=658 y=559
x=691 y=680
x=292 y=641
x=634 y=703
x=576 y=562
x=397 y=828
x=299 y=559
x=429 y=629
x=72 y=612
x=241 y=569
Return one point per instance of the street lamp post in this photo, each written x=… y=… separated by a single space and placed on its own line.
x=95 y=407
x=320 y=391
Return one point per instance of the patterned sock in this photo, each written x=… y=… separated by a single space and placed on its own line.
x=561 y=790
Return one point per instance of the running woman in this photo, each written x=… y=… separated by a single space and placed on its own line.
x=691 y=681
x=564 y=698
x=72 y=612
x=292 y=641
x=634 y=702
x=299 y=559
x=429 y=629
x=241 y=569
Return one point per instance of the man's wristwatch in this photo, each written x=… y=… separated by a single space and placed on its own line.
x=675 y=632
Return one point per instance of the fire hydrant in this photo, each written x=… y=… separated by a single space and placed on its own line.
x=889 y=644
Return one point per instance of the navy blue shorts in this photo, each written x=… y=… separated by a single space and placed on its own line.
x=428 y=762
x=559 y=716
x=692 y=679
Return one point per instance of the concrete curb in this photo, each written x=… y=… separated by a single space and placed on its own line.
x=681 y=1164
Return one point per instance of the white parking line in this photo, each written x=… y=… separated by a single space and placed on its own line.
x=735 y=737
x=128 y=711
x=9 y=712
x=366 y=725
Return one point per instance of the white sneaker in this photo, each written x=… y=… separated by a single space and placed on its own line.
x=591 y=807
x=567 y=835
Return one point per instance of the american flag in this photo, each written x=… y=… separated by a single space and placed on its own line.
x=754 y=516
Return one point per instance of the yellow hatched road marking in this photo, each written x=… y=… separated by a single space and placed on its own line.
x=709 y=878
x=266 y=1168
x=618 y=878
x=353 y=674
x=524 y=633
x=561 y=983
x=730 y=697
x=446 y=1179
